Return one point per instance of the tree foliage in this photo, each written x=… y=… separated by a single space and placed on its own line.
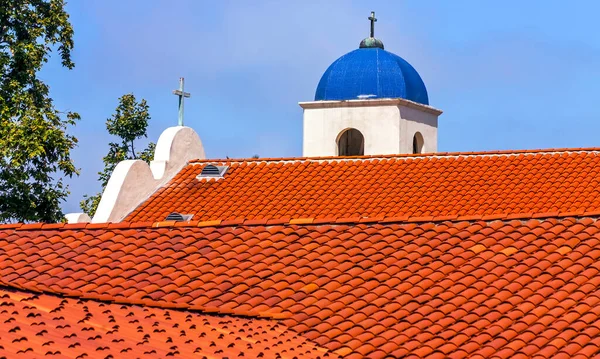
x=129 y=123
x=35 y=149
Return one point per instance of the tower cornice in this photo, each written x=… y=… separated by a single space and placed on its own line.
x=371 y=102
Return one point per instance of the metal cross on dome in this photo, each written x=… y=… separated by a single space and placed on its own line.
x=181 y=94
x=373 y=21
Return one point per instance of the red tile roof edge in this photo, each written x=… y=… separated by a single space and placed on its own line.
x=294 y=221
x=75 y=294
x=433 y=154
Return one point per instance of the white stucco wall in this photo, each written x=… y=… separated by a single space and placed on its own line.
x=323 y=126
x=133 y=181
x=414 y=120
x=77 y=218
x=388 y=125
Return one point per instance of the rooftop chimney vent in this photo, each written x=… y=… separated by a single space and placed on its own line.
x=212 y=171
x=178 y=217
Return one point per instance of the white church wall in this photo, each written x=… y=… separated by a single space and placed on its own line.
x=175 y=143
x=388 y=125
x=323 y=126
x=414 y=121
x=133 y=181
x=77 y=218
x=129 y=184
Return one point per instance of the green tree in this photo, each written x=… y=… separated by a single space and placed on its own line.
x=35 y=149
x=129 y=123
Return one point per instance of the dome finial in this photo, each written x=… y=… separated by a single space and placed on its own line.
x=371 y=41
x=373 y=21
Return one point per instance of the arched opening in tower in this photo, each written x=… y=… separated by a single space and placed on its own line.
x=418 y=143
x=351 y=143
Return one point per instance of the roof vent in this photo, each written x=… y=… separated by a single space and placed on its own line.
x=212 y=171
x=178 y=217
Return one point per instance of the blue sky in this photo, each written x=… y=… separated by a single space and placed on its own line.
x=508 y=75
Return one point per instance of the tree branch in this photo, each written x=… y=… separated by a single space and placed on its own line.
x=133 y=151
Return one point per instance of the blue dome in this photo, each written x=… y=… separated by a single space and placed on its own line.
x=371 y=73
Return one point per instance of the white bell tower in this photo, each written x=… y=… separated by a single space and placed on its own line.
x=368 y=127
x=369 y=102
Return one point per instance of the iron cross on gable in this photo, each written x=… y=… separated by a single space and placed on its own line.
x=181 y=94
x=373 y=21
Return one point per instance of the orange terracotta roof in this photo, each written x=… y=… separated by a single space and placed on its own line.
x=511 y=288
x=41 y=325
x=460 y=184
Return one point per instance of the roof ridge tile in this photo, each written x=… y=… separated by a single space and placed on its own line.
x=301 y=221
x=295 y=221
x=277 y=221
x=571 y=214
x=371 y=219
x=53 y=225
x=255 y=222
x=186 y=224
x=31 y=226
x=119 y=225
x=401 y=155
x=232 y=222
x=144 y=224
x=589 y=214
x=10 y=225
x=164 y=224
x=213 y=223
x=97 y=225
